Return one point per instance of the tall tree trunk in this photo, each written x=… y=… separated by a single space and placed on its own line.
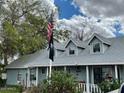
x=5 y=59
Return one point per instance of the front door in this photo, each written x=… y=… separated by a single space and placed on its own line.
x=97 y=75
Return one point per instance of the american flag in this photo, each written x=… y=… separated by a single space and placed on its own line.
x=50 y=27
x=49 y=30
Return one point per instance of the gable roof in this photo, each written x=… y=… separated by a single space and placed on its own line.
x=77 y=42
x=59 y=46
x=101 y=38
x=113 y=55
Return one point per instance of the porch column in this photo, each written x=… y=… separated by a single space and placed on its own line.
x=37 y=76
x=65 y=68
x=87 y=80
x=47 y=72
x=28 y=77
x=116 y=72
x=92 y=75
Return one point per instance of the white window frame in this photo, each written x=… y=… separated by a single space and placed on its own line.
x=19 y=76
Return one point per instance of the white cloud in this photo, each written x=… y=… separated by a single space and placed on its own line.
x=88 y=25
x=106 y=10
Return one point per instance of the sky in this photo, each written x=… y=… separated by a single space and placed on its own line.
x=105 y=17
x=67 y=10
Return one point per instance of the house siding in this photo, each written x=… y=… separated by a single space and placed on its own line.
x=79 y=75
x=12 y=76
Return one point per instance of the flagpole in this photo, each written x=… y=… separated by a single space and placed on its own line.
x=50 y=69
x=51 y=44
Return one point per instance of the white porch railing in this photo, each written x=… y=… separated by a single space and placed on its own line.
x=93 y=88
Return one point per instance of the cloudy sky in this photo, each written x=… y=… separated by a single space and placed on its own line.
x=105 y=17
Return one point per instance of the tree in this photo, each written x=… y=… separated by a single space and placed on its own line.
x=61 y=34
x=23 y=28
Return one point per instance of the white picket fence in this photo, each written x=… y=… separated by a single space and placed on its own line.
x=94 y=88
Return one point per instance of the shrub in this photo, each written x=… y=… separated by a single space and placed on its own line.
x=2 y=82
x=19 y=88
x=115 y=84
x=107 y=85
x=60 y=82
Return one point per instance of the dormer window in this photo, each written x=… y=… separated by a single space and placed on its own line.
x=96 y=47
x=71 y=51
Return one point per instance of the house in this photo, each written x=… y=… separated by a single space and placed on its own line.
x=90 y=61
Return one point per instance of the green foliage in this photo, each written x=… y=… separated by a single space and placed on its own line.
x=9 y=91
x=12 y=89
x=61 y=34
x=115 y=84
x=60 y=82
x=109 y=85
x=2 y=70
x=30 y=39
x=2 y=82
x=22 y=30
x=11 y=38
x=18 y=88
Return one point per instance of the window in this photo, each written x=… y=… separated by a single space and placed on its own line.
x=43 y=70
x=96 y=47
x=78 y=69
x=19 y=76
x=33 y=74
x=71 y=51
x=69 y=70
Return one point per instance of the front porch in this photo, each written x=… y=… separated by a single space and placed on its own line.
x=88 y=76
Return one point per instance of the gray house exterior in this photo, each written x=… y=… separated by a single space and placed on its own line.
x=90 y=61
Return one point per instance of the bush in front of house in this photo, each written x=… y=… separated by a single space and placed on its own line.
x=19 y=88
x=2 y=82
x=109 y=85
x=60 y=82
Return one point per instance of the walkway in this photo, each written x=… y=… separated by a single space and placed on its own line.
x=115 y=91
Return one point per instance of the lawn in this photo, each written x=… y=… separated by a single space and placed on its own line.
x=10 y=90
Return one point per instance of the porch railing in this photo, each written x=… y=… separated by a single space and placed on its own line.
x=93 y=88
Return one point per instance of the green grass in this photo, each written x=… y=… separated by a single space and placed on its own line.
x=12 y=90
